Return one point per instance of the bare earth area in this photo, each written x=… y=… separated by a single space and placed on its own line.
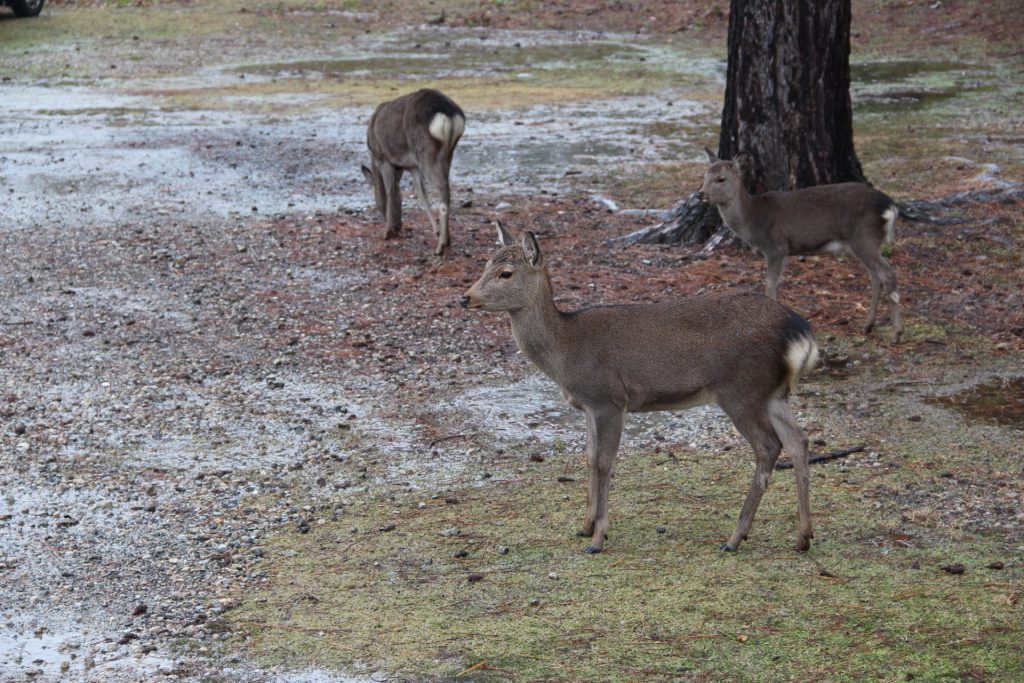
x=243 y=438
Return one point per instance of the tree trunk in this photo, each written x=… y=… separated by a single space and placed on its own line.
x=787 y=102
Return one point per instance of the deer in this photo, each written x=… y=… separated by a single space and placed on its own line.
x=416 y=132
x=843 y=217
x=740 y=350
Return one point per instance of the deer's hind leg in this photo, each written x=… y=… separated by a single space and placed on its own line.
x=794 y=440
x=757 y=429
x=882 y=277
x=421 y=194
x=391 y=175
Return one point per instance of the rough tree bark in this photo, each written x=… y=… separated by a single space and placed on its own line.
x=787 y=102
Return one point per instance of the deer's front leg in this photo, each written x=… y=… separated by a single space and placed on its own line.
x=604 y=430
x=776 y=262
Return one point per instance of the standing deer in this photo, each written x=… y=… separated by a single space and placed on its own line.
x=743 y=351
x=416 y=133
x=814 y=220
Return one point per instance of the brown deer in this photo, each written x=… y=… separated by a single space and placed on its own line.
x=416 y=133
x=742 y=351
x=814 y=220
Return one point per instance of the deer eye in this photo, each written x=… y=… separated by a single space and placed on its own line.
x=720 y=180
x=505 y=274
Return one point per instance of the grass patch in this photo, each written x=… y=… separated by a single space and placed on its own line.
x=862 y=604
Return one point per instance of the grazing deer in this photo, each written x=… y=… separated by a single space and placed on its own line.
x=814 y=220
x=742 y=351
x=416 y=133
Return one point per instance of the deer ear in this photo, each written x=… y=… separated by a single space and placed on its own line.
x=504 y=238
x=743 y=161
x=712 y=157
x=532 y=250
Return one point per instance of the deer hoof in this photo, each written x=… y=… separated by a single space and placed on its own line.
x=583 y=532
x=803 y=543
x=592 y=550
x=727 y=548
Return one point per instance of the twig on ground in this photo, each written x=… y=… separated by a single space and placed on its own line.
x=451 y=437
x=476 y=666
x=785 y=465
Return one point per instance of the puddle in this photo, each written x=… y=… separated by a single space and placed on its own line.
x=903 y=84
x=49 y=655
x=999 y=401
x=902 y=69
x=42 y=655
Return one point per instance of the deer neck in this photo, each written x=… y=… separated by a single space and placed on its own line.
x=738 y=214
x=539 y=330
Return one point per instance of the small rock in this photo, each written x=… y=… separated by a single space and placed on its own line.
x=995 y=565
x=661 y=528
x=552 y=575
x=454 y=531
x=386 y=528
x=303 y=527
x=955 y=568
x=461 y=554
x=503 y=550
x=473 y=578
x=139 y=610
x=19 y=428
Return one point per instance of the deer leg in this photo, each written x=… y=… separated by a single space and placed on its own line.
x=889 y=282
x=437 y=178
x=421 y=193
x=391 y=175
x=373 y=177
x=880 y=270
x=876 y=287
x=762 y=438
x=794 y=440
x=604 y=430
x=776 y=262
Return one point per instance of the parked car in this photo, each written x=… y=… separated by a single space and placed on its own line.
x=24 y=8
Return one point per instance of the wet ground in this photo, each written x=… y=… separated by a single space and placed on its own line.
x=201 y=329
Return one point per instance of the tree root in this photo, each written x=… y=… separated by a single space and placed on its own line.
x=690 y=222
x=924 y=211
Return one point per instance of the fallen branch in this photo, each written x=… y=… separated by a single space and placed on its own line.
x=785 y=465
x=451 y=437
x=923 y=210
x=476 y=666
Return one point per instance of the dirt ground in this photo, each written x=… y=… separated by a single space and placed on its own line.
x=217 y=378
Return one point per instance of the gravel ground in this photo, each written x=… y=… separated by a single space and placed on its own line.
x=198 y=315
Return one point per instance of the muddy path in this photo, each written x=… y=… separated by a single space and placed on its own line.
x=204 y=342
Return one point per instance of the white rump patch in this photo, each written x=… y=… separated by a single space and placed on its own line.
x=446 y=129
x=801 y=358
x=889 y=216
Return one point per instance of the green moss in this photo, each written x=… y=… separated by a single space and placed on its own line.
x=653 y=606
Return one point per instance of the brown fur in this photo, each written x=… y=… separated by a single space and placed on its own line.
x=732 y=349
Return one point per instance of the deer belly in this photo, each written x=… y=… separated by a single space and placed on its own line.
x=680 y=402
